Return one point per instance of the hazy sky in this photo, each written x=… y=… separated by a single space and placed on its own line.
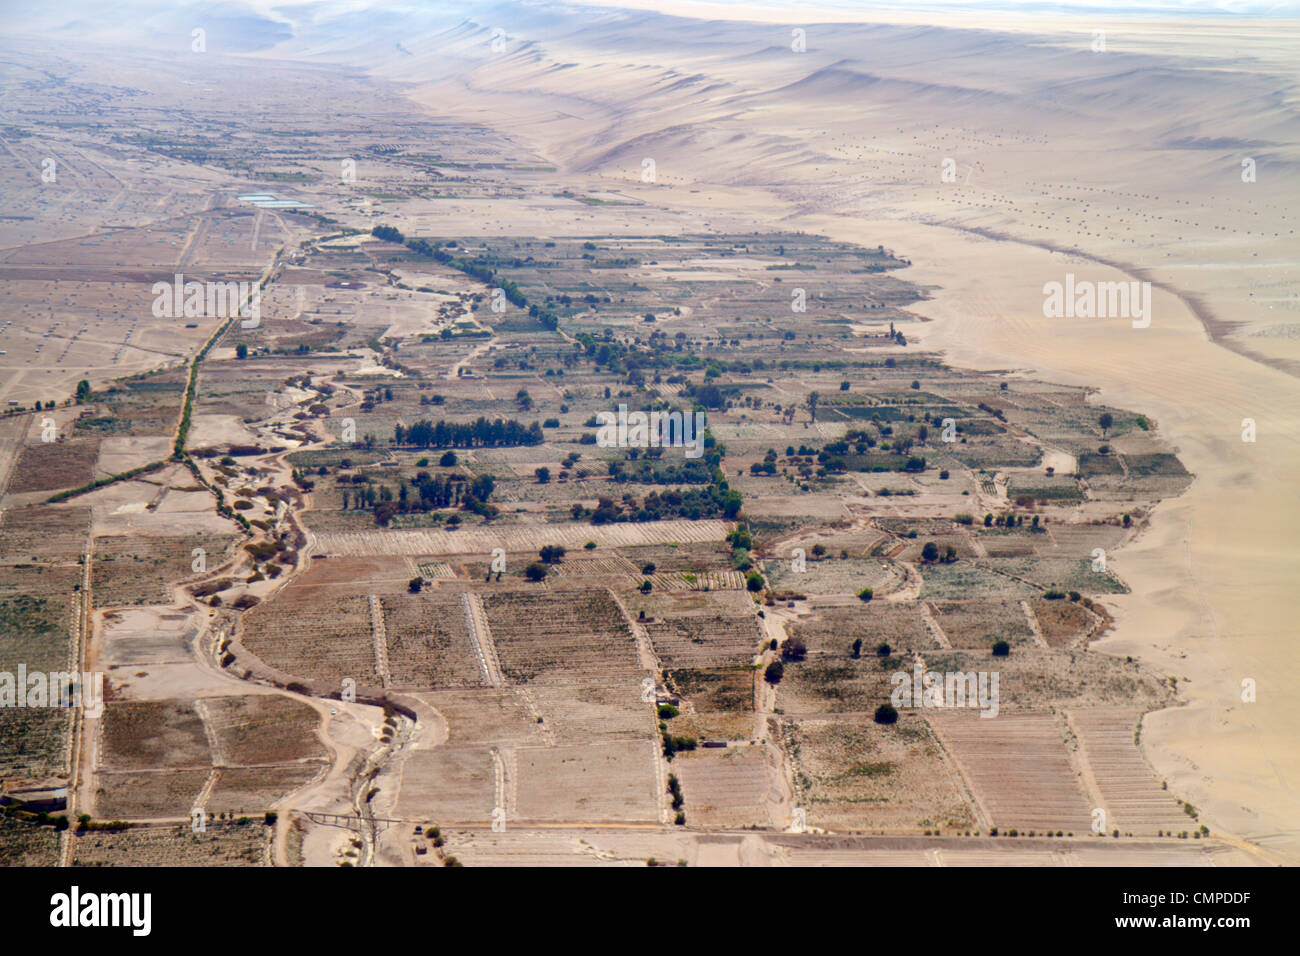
x=1077 y=8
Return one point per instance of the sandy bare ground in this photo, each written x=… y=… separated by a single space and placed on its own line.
x=633 y=845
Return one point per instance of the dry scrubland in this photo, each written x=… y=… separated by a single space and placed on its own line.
x=221 y=845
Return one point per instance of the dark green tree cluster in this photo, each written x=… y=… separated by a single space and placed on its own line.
x=480 y=433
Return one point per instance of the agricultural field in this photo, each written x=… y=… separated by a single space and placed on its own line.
x=858 y=776
x=976 y=579
x=487 y=715
x=250 y=791
x=834 y=576
x=144 y=795
x=728 y=690
x=147 y=406
x=1019 y=769
x=44 y=534
x=715 y=635
x=517 y=539
x=453 y=783
x=36 y=629
x=132 y=570
x=827 y=683
x=27 y=844
x=735 y=786
x=262 y=729
x=559 y=637
x=596 y=782
x=1135 y=801
x=428 y=641
x=320 y=626
x=1034 y=678
x=972 y=625
x=49 y=466
x=243 y=754
x=1064 y=623
x=221 y=844
x=151 y=734
x=832 y=631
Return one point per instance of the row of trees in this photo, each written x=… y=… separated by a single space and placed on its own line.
x=480 y=433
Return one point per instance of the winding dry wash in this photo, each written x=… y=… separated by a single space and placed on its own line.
x=992 y=320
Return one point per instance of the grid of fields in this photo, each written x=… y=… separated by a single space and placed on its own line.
x=155 y=758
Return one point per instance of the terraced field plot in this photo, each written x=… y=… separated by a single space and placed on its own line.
x=428 y=641
x=145 y=795
x=518 y=539
x=559 y=636
x=486 y=715
x=597 y=782
x=54 y=534
x=262 y=729
x=251 y=791
x=1066 y=574
x=738 y=725
x=730 y=787
x=705 y=640
x=315 y=629
x=153 y=734
x=855 y=775
x=834 y=576
x=834 y=629
x=699 y=581
x=147 y=406
x=979 y=624
x=1034 y=679
x=1018 y=770
x=595 y=710
x=1132 y=795
x=48 y=466
x=971 y=579
x=1063 y=623
x=913 y=547
x=24 y=844
x=1079 y=540
x=714 y=689
x=825 y=684
x=452 y=783
x=156 y=757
